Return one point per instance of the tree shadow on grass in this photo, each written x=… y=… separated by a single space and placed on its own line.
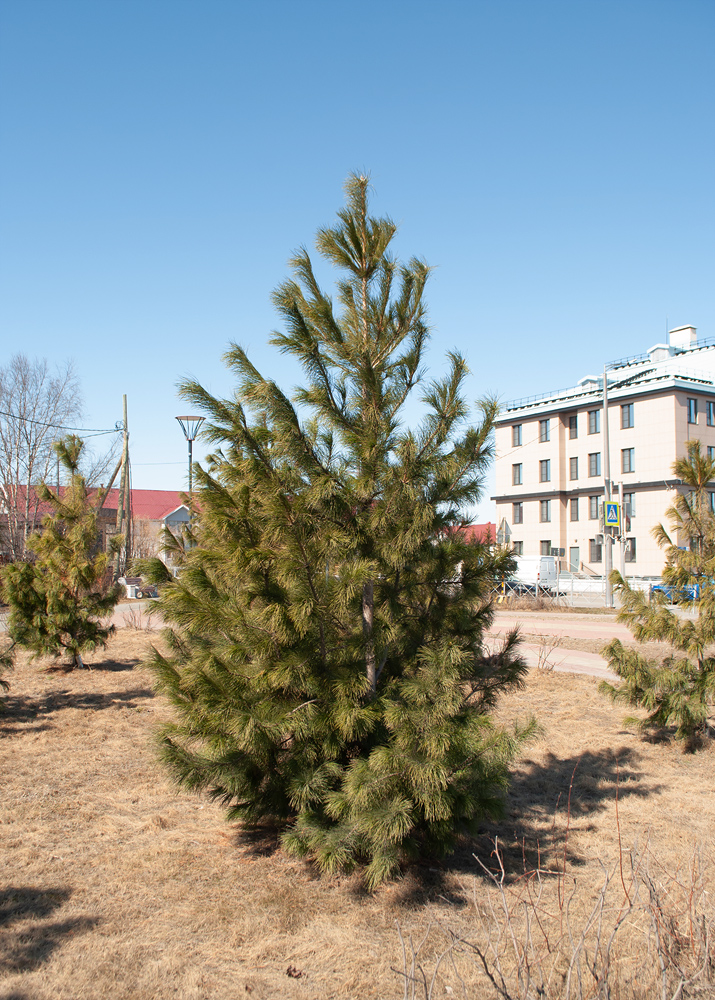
x=22 y=709
x=261 y=841
x=27 y=937
x=542 y=798
x=102 y=666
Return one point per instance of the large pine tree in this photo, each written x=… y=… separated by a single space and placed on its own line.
x=328 y=663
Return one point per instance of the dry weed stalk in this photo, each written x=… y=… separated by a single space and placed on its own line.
x=138 y=620
x=547 y=644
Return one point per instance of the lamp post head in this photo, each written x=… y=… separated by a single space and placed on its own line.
x=190 y=426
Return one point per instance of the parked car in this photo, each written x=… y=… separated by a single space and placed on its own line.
x=676 y=595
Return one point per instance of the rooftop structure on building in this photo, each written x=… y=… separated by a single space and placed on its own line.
x=551 y=463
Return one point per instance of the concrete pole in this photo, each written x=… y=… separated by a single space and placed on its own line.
x=623 y=532
x=607 y=537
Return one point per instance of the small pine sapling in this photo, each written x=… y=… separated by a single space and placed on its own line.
x=59 y=603
x=679 y=691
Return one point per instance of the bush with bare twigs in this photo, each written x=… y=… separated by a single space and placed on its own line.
x=641 y=933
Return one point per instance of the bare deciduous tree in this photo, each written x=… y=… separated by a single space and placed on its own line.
x=36 y=402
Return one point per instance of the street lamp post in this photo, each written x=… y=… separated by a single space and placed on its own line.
x=190 y=427
x=607 y=537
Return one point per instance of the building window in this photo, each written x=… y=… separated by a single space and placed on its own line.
x=544 y=430
x=544 y=510
x=545 y=470
x=574 y=508
x=516 y=475
x=712 y=502
x=595 y=551
x=594 y=421
x=627 y=415
x=517 y=548
x=630 y=552
x=573 y=426
x=711 y=454
x=516 y=435
x=546 y=547
x=629 y=502
x=593 y=508
x=628 y=460
x=573 y=468
x=692 y=411
x=711 y=414
x=517 y=513
x=594 y=463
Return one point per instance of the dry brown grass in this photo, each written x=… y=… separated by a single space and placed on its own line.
x=116 y=885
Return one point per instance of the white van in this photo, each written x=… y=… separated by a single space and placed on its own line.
x=532 y=572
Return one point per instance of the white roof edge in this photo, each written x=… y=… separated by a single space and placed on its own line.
x=579 y=398
x=182 y=506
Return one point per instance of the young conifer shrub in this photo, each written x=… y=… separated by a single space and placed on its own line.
x=328 y=661
x=677 y=692
x=59 y=602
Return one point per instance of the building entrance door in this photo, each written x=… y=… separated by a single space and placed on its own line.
x=574 y=559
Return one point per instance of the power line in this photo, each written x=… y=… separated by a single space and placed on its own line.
x=118 y=428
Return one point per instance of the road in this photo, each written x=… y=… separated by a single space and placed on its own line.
x=536 y=627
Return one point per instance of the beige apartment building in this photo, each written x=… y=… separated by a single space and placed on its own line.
x=551 y=461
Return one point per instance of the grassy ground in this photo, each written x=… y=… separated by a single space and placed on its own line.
x=116 y=885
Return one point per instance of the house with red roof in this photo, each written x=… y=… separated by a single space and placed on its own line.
x=151 y=511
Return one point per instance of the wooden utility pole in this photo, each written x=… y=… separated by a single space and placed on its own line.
x=122 y=507
x=127 y=501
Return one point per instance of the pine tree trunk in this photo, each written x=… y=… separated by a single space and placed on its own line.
x=368 y=610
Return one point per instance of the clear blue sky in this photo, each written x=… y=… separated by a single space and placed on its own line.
x=160 y=159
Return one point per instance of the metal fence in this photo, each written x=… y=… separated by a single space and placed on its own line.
x=572 y=590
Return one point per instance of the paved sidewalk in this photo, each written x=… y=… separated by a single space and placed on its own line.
x=599 y=628
x=570 y=661
x=133 y=614
x=576 y=626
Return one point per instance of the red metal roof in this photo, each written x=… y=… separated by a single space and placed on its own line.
x=150 y=505
x=155 y=505
x=486 y=532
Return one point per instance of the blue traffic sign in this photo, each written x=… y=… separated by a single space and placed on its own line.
x=612 y=515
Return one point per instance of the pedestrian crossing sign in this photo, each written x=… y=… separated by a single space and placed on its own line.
x=612 y=516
